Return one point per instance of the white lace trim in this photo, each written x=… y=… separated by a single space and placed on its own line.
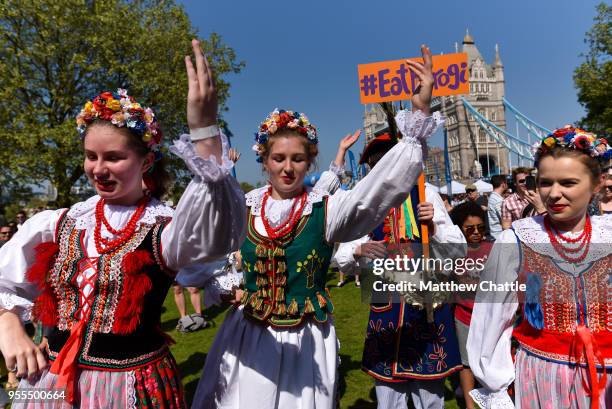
x=532 y=232
x=130 y=389
x=278 y=210
x=223 y=283
x=416 y=125
x=336 y=170
x=85 y=213
x=22 y=307
x=492 y=400
x=208 y=170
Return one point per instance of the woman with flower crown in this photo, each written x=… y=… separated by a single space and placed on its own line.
x=561 y=262
x=277 y=347
x=98 y=272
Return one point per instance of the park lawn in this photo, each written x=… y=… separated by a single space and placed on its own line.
x=356 y=389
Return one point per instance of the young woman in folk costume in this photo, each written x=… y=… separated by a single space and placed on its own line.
x=278 y=348
x=98 y=272
x=564 y=258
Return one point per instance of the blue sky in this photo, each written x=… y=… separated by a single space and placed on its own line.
x=303 y=56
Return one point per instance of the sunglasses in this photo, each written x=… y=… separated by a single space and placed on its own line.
x=609 y=188
x=521 y=181
x=471 y=229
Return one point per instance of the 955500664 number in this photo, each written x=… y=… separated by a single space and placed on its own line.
x=36 y=395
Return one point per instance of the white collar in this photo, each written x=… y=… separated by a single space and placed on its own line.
x=532 y=233
x=85 y=212
x=254 y=199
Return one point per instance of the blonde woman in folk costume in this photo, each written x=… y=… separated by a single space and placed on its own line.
x=98 y=272
x=564 y=259
x=278 y=347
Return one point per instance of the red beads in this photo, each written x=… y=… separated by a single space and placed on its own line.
x=584 y=240
x=288 y=225
x=104 y=245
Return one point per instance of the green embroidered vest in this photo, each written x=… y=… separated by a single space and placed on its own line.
x=285 y=278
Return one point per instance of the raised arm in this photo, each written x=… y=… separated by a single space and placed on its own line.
x=210 y=218
x=355 y=213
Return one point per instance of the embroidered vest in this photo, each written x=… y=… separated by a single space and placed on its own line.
x=123 y=320
x=557 y=304
x=285 y=278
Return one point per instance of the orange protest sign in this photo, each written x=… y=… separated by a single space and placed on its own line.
x=394 y=81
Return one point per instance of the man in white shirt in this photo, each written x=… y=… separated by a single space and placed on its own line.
x=494 y=212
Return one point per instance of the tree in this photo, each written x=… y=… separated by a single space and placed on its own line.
x=246 y=187
x=56 y=54
x=593 y=78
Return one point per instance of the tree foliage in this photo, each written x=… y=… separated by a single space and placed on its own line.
x=56 y=54
x=593 y=78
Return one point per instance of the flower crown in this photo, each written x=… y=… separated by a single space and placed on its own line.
x=574 y=138
x=122 y=110
x=278 y=120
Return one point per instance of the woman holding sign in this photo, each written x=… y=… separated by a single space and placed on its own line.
x=278 y=347
x=563 y=261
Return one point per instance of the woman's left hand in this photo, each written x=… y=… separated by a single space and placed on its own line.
x=344 y=145
x=349 y=140
x=202 y=95
x=421 y=100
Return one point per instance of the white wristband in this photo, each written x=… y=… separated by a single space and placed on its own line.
x=204 y=133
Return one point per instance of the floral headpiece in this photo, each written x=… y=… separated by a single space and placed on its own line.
x=574 y=138
x=122 y=110
x=278 y=120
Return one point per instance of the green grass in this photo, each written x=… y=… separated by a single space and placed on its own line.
x=356 y=389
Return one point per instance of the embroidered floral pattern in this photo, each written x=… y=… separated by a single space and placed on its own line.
x=310 y=266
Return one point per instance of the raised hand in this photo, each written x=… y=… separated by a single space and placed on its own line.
x=202 y=95
x=344 y=145
x=233 y=155
x=349 y=140
x=421 y=100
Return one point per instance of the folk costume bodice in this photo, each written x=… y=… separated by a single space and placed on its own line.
x=114 y=299
x=558 y=305
x=285 y=278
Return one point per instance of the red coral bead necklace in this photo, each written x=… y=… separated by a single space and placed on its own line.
x=104 y=245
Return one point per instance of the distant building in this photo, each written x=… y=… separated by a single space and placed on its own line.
x=472 y=153
x=435 y=169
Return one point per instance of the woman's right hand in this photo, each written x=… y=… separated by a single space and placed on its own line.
x=18 y=349
x=202 y=102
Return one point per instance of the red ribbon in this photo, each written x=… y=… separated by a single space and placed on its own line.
x=65 y=365
x=585 y=342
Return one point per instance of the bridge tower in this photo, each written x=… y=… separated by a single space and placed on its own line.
x=472 y=154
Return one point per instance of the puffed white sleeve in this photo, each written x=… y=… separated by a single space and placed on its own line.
x=18 y=255
x=210 y=218
x=488 y=343
x=345 y=255
x=351 y=214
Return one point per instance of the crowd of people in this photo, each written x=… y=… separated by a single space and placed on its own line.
x=93 y=277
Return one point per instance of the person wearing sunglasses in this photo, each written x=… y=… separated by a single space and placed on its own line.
x=603 y=202
x=470 y=217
